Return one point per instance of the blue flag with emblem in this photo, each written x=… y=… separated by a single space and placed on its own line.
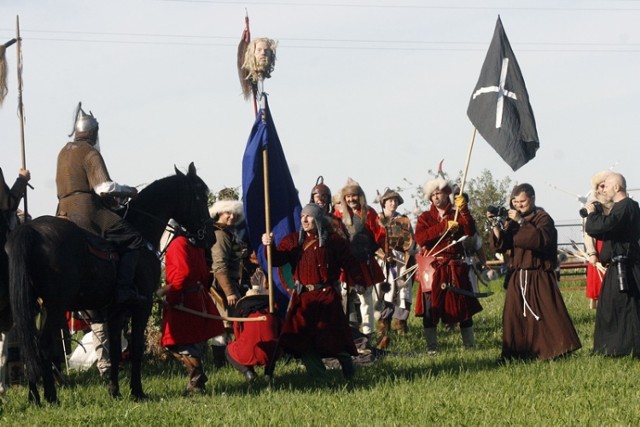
x=284 y=201
x=499 y=107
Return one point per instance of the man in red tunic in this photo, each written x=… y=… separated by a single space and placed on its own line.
x=316 y=327
x=255 y=341
x=436 y=229
x=184 y=333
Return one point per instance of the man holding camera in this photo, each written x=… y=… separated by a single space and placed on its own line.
x=535 y=321
x=617 y=331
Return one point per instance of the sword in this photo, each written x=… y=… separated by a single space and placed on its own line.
x=465 y=292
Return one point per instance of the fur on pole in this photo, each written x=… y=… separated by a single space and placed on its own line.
x=247 y=88
x=3 y=75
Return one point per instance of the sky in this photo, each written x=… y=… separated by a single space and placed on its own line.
x=375 y=90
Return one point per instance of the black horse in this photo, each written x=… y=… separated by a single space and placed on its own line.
x=53 y=269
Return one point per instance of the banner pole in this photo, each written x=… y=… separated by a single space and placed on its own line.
x=21 y=109
x=267 y=208
x=466 y=169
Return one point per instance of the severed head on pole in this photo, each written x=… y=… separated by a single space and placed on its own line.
x=259 y=61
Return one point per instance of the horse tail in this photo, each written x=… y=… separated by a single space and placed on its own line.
x=20 y=246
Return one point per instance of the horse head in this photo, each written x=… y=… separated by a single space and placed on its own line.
x=193 y=212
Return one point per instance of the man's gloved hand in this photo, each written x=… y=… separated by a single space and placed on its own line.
x=453 y=226
x=359 y=289
x=460 y=202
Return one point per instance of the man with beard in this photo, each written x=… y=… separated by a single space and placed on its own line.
x=617 y=330
x=315 y=326
x=259 y=59
x=535 y=321
x=436 y=231
x=365 y=234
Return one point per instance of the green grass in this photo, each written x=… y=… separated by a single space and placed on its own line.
x=456 y=387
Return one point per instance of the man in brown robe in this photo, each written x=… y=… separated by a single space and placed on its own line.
x=535 y=321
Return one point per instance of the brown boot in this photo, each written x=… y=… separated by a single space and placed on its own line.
x=197 y=377
x=383 y=326
x=404 y=328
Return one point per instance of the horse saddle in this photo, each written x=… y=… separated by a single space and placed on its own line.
x=100 y=248
x=96 y=245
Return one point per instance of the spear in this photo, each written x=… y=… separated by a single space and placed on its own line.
x=21 y=108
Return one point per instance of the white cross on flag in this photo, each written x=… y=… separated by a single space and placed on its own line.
x=499 y=107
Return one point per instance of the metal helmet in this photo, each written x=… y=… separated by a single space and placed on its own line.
x=320 y=188
x=83 y=122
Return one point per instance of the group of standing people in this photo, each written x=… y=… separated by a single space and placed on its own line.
x=353 y=266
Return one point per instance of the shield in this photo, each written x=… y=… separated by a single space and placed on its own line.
x=425 y=271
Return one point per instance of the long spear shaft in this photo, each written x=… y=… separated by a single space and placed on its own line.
x=21 y=108
x=466 y=169
x=267 y=208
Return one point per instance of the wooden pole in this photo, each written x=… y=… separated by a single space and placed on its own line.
x=466 y=168
x=21 y=109
x=267 y=209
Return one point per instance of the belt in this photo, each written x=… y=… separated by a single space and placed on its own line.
x=195 y=287
x=315 y=287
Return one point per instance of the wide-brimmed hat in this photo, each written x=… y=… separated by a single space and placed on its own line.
x=390 y=194
x=256 y=298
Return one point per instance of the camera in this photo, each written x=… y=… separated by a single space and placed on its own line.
x=597 y=205
x=499 y=216
x=499 y=211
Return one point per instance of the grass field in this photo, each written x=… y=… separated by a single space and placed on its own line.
x=407 y=387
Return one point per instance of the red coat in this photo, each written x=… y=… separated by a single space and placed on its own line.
x=255 y=341
x=188 y=274
x=450 y=268
x=315 y=320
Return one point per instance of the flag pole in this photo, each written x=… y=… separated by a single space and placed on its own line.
x=267 y=206
x=21 y=109
x=466 y=169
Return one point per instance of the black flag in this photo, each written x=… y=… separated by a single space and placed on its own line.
x=499 y=107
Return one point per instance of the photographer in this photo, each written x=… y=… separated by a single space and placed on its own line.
x=535 y=320
x=618 y=312
x=592 y=246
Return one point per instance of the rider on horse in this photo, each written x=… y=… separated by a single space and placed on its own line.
x=82 y=181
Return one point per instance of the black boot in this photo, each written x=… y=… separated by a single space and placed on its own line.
x=126 y=293
x=219 y=358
